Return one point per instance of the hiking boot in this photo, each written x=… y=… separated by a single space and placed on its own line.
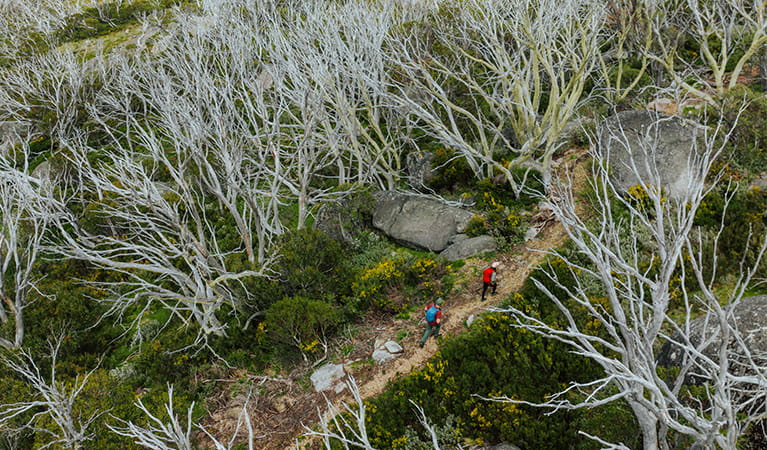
x=420 y=344
x=437 y=336
x=482 y=299
x=493 y=293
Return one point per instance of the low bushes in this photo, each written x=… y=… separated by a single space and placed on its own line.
x=745 y=224
x=396 y=282
x=303 y=323
x=496 y=359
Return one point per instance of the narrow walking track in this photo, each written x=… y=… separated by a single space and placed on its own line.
x=286 y=404
x=465 y=301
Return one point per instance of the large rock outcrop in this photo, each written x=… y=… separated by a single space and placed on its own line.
x=749 y=317
x=641 y=142
x=418 y=222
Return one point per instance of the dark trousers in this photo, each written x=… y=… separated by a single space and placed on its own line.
x=430 y=328
x=485 y=285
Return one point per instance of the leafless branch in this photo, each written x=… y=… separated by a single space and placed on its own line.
x=635 y=315
x=54 y=400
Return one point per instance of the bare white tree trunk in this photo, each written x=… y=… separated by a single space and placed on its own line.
x=54 y=400
x=175 y=433
x=522 y=66
x=345 y=425
x=27 y=208
x=166 y=245
x=196 y=138
x=629 y=38
x=330 y=66
x=728 y=35
x=635 y=316
x=49 y=91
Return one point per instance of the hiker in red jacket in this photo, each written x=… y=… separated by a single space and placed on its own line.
x=433 y=320
x=488 y=278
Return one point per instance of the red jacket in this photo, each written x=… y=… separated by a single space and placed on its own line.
x=487 y=275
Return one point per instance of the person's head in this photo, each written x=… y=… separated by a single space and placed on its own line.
x=439 y=301
x=495 y=265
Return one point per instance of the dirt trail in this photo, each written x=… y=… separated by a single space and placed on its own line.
x=284 y=408
x=515 y=267
x=464 y=301
x=513 y=271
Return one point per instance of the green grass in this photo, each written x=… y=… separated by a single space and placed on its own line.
x=108 y=18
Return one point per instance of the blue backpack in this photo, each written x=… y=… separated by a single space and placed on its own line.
x=431 y=314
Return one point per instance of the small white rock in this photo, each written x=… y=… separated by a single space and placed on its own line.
x=393 y=347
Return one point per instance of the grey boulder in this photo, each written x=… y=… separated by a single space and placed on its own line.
x=329 y=377
x=418 y=222
x=637 y=143
x=466 y=248
x=381 y=356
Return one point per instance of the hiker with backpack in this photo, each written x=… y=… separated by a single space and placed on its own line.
x=433 y=314
x=488 y=278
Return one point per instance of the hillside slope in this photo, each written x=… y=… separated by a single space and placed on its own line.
x=286 y=405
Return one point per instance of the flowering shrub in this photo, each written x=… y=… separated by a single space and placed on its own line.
x=639 y=196
x=496 y=359
x=375 y=283
x=477 y=226
x=503 y=211
x=392 y=284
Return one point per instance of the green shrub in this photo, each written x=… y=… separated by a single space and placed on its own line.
x=377 y=285
x=167 y=358
x=62 y=302
x=501 y=220
x=99 y=398
x=477 y=226
x=302 y=323
x=102 y=394
x=748 y=142
x=394 y=283
x=243 y=347
x=452 y=172
x=260 y=293
x=744 y=216
x=613 y=422
x=13 y=390
x=503 y=193
x=312 y=265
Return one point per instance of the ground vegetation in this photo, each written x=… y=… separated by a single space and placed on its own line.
x=162 y=164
